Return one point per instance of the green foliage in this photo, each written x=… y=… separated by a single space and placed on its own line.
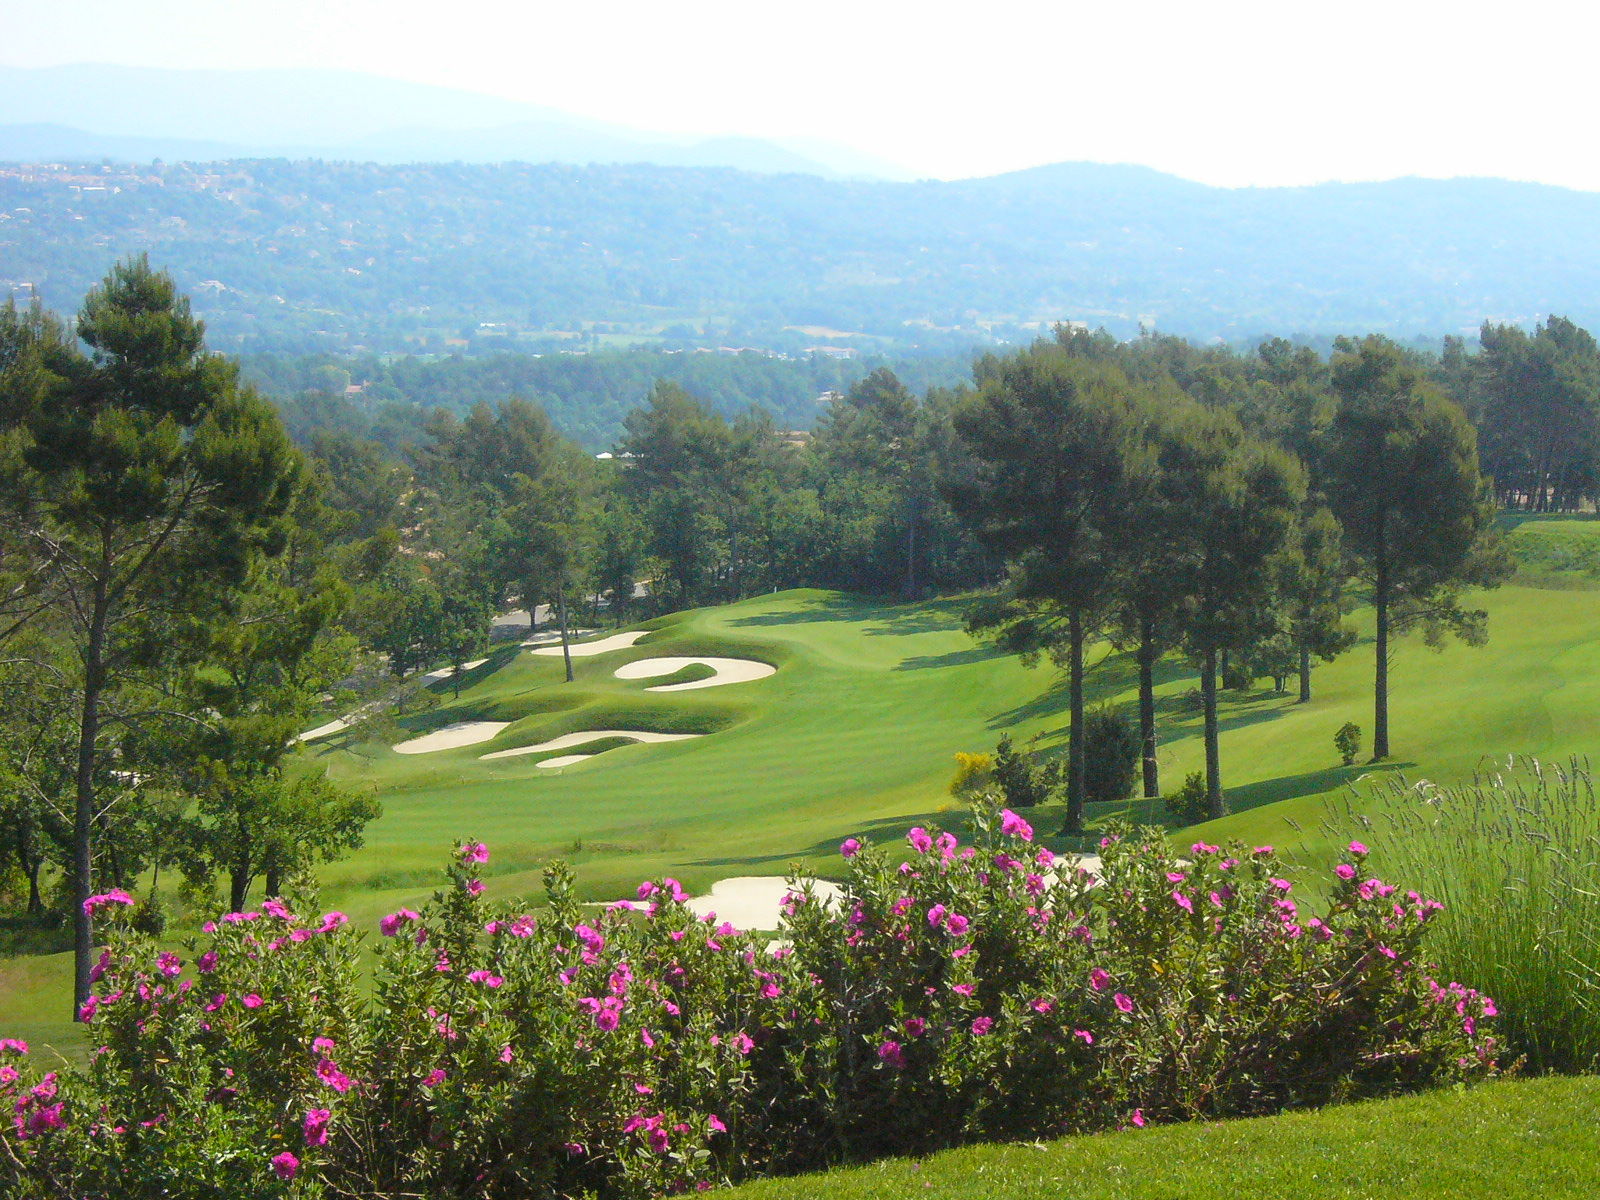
x=632 y=1054
x=1111 y=746
x=1347 y=741
x=1189 y=804
x=1023 y=780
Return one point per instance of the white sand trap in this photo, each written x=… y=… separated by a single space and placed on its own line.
x=754 y=901
x=617 y=641
x=591 y=735
x=462 y=733
x=446 y=672
x=554 y=637
x=324 y=730
x=564 y=760
x=728 y=670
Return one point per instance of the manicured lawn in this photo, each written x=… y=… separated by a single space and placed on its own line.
x=1501 y=1141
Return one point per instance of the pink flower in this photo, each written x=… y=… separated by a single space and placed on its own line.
x=915 y=1027
x=285 y=1165
x=1098 y=978
x=474 y=852
x=316 y=1126
x=741 y=1042
x=323 y=1045
x=891 y=1054
x=390 y=925
x=921 y=841
x=1183 y=901
x=936 y=915
x=487 y=978
x=714 y=1123
x=216 y=1002
x=474 y=887
x=330 y=1074
x=649 y=1042
x=332 y=921
x=849 y=848
x=13 y=1046
x=1014 y=826
x=105 y=899
x=956 y=924
x=962 y=989
x=1283 y=885
x=1262 y=850
x=1041 y=1006
x=274 y=907
x=982 y=1025
x=434 y=1077
x=1123 y=1002
x=947 y=844
x=1204 y=848
x=168 y=963
x=206 y=963
x=1358 y=848
x=251 y=1000
x=1345 y=871
x=1088 y=1038
x=1138 y=1117
x=87 y=1011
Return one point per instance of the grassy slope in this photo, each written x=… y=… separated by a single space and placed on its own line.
x=856 y=732
x=1501 y=1141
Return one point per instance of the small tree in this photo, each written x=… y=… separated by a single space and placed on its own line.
x=1347 y=741
x=1112 y=750
x=1024 y=781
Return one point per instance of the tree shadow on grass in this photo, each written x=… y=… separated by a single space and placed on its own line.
x=832 y=607
x=1309 y=783
x=954 y=658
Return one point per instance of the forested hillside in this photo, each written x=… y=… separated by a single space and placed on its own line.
x=441 y=258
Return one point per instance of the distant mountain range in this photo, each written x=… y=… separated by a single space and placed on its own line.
x=449 y=258
x=136 y=114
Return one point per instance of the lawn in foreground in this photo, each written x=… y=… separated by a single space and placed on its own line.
x=1500 y=1141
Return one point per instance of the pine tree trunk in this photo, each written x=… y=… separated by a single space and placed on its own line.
x=1077 y=773
x=1147 y=711
x=35 y=900
x=84 y=802
x=1216 y=805
x=274 y=881
x=566 y=643
x=1305 y=675
x=238 y=889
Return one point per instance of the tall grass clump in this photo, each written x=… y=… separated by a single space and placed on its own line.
x=1515 y=857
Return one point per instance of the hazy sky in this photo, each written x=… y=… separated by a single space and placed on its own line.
x=1227 y=91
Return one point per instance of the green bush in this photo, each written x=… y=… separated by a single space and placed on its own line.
x=1347 y=741
x=1111 y=756
x=639 y=1051
x=1022 y=780
x=1189 y=803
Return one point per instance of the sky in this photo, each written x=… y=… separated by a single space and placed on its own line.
x=1227 y=92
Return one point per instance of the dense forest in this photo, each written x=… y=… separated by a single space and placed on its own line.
x=299 y=257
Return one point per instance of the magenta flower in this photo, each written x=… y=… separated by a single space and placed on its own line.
x=1345 y=871
x=1262 y=850
x=1014 y=826
x=274 y=907
x=962 y=989
x=332 y=921
x=916 y=1027
x=316 y=1126
x=206 y=963
x=921 y=841
x=330 y=1075
x=1088 y=1038
x=1123 y=1002
x=487 y=978
x=1041 y=1006
x=390 y=925
x=105 y=899
x=474 y=887
x=251 y=1000
x=891 y=1054
x=947 y=844
x=1138 y=1117
x=13 y=1046
x=849 y=848
x=168 y=963
x=1182 y=901
x=936 y=915
x=982 y=1025
x=1098 y=978
x=323 y=1045
x=474 y=852
x=88 y=1009
x=285 y=1165
x=956 y=924
x=714 y=1123
x=1358 y=848
x=434 y=1077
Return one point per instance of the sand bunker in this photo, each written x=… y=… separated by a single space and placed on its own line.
x=589 y=735
x=728 y=670
x=553 y=637
x=446 y=672
x=324 y=730
x=754 y=901
x=462 y=733
x=617 y=641
x=564 y=760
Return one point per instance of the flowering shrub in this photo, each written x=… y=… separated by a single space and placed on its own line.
x=975 y=991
